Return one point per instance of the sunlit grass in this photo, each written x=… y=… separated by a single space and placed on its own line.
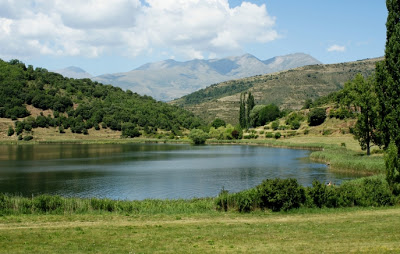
x=302 y=231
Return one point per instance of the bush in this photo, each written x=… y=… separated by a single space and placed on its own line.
x=10 y=131
x=129 y=130
x=295 y=125
x=275 y=125
x=278 y=135
x=269 y=135
x=198 y=136
x=316 y=116
x=218 y=123
x=28 y=138
x=281 y=194
x=322 y=195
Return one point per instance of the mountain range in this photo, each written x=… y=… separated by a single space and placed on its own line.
x=169 y=79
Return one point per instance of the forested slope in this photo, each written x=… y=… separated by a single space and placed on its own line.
x=81 y=104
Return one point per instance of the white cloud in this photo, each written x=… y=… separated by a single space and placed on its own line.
x=191 y=28
x=336 y=48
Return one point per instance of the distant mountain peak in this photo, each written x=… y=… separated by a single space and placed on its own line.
x=170 y=79
x=74 y=72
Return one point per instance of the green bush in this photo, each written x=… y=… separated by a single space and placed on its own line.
x=198 y=136
x=10 y=131
x=275 y=125
x=269 y=135
x=28 y=138
x=281 y=194
x=322 y=195
x=278 y=135
x=316 y=116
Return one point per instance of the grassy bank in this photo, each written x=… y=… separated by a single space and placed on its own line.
x=373 y=230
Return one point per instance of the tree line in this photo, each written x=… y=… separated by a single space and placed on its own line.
x=82 y=104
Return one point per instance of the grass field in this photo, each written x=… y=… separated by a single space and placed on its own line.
x=372 y=230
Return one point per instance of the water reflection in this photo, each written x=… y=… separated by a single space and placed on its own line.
x=139 y=171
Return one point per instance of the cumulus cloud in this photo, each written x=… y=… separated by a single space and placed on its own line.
x=191 y=28
x=336 y=48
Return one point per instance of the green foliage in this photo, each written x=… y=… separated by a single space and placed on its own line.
x=392 y=163
x=269 y=135
x=281 y=194
x=277 y=135
x=218 y=123
x=361 y=95
x=28 y=138
x=307 y=104
x=198 y=136
x=10 y=131
x=275 y=125
x=129 y=130
x=316 y=116
x=95 y=103
x=341 y=113
x=294 y=120
x=388 y=80
x=286 y=194
x=246 y=105
x=262 y=115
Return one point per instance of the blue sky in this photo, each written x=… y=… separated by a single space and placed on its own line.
x=104 y=36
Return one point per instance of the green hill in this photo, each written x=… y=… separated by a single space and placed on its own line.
x=38 y=98
x=287 y=89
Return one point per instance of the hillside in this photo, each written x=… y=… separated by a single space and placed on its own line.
x=169 y=79
x=35 y=98
x=287 y=89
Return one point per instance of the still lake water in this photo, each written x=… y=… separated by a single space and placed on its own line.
x=158 y=171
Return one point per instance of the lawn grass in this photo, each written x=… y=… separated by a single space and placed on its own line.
x=375 y=230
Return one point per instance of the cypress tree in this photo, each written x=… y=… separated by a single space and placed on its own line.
x=388 y=79
x=242 y=112
x=250 y=106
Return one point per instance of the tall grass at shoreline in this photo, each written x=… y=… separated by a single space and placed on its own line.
x=53 y=204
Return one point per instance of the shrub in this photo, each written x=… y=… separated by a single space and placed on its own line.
x=61 y=129
x=218 y=123
x=198 y=136
x=278 y=135
x=323 y=195
x=316 y=116
x=295 y=125
x=269 y=135
x=275 y=125
x=10 y=131
x=28 y=138
x=130 y=130
x=281 y=194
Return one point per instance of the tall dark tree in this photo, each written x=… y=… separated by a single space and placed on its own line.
x=388 y=79
x=242 y=111
x=250 y=105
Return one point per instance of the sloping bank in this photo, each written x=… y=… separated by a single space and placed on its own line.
x=339 y=159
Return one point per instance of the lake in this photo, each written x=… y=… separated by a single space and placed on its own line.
x=157 y=171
